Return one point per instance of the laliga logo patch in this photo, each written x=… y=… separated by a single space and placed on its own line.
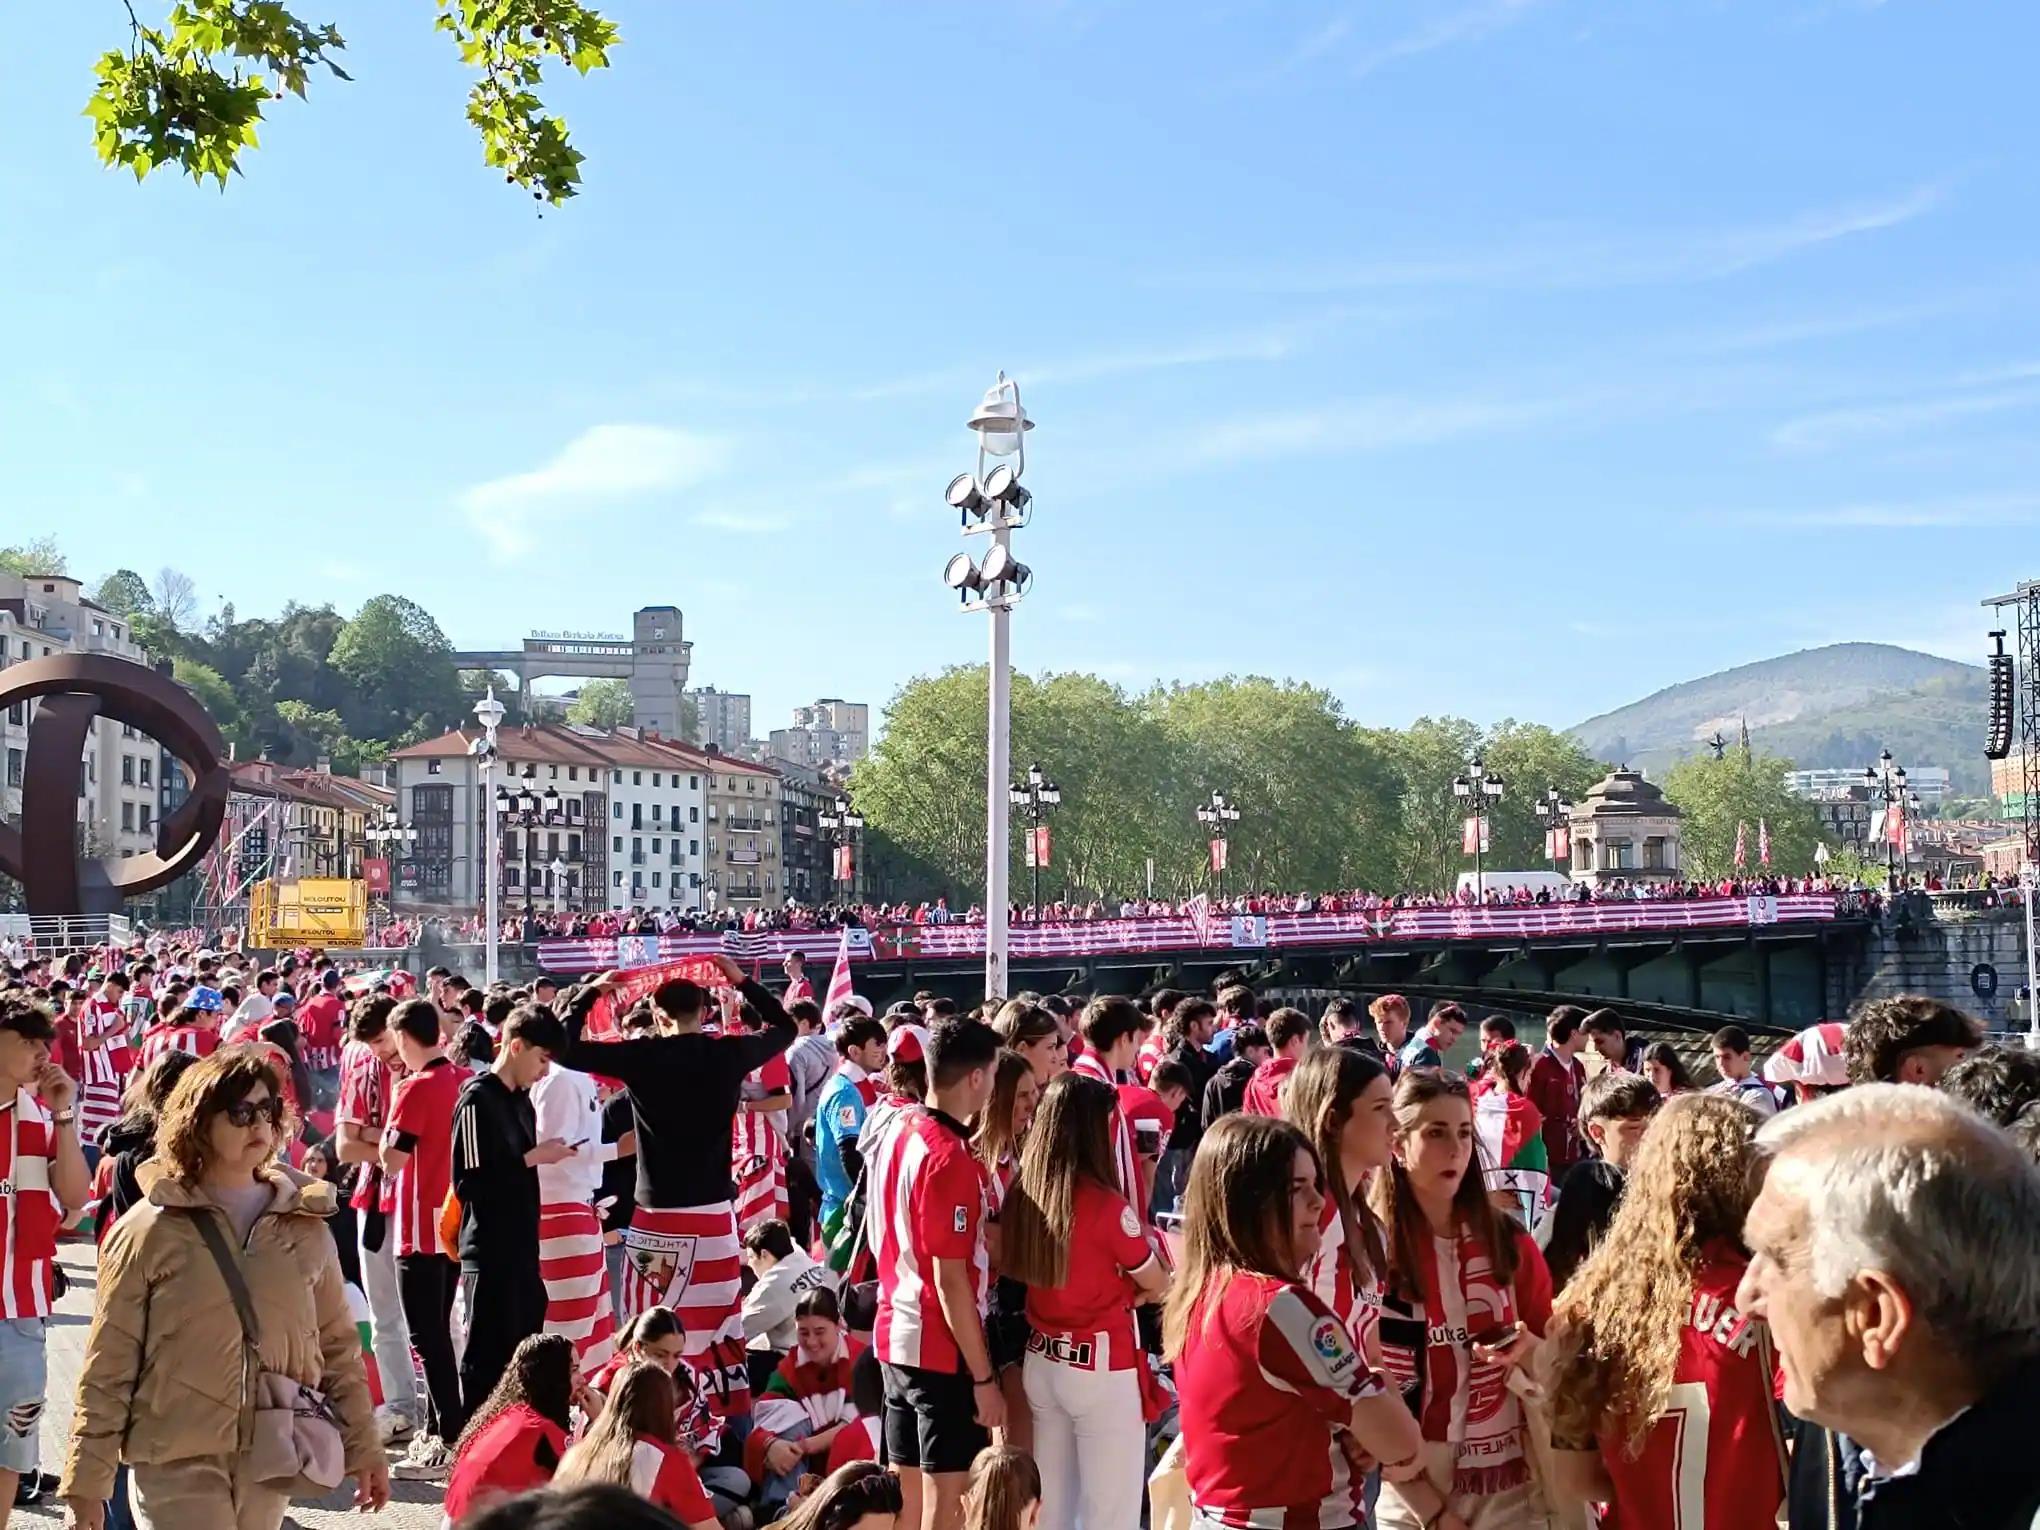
x=962 y=1219
x=1128 y=1222
x=1329 y=1341
x=846 y=1116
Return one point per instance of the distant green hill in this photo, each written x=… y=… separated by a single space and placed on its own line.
x=1834 y=706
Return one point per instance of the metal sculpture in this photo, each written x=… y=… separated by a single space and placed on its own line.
x=73 y=690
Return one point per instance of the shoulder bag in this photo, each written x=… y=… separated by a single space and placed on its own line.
x=296 y=1436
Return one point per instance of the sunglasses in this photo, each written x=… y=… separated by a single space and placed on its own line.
x=245 y=1113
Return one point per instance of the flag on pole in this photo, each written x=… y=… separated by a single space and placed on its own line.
x=1763 y=842
x=1199 y=910
x=1742 y=855
x=839 y=980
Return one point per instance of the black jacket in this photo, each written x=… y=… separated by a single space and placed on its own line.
x=1981 y=1472
x=1189 y=1128
x=1228 y=1087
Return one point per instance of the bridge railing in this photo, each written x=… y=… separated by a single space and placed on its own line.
x=1213 y=932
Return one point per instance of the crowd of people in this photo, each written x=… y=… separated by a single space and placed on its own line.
x=684 y=1247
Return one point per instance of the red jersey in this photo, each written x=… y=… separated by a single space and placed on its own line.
x=662 y=1473
x=1331 y=1278
x=1154 y=1046
x=1089 y=1317
x=1264 y=1089
x=321 y=1020
x=28 y=1253
x=1266 y=1374
x=517 y=1450
x=421 y=1124
x=1715 y=1460
x=934 y=1197
x=855 y=1441
x=198 y=1040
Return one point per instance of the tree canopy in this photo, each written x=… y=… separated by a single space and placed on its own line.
x=1743 y=789
x=191 y=90
x=603 y=704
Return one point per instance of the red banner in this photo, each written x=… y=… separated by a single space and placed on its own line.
x=844 y=868
x=1558 y=844
x=638 y=983
x=1037 y=848
x=1218 y=848
x=375 y=871
x=1473 y=835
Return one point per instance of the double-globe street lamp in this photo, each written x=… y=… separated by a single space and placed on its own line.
x=1037 y=795
x=528 y=808
x=392 y=839
x=1557 y=815
x=842 y=821
x=1479 y=789
x=1215 y=815
x=991 y=503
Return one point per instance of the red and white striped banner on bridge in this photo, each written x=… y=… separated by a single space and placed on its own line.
x=1179 y=932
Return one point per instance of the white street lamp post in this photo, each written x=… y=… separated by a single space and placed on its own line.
x=992 y=502
x=558 y=868
x=490 y=711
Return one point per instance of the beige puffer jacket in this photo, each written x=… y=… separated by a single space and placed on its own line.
x=165 y=1375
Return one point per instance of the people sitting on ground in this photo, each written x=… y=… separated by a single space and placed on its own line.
x=515 y=1440
x=798 y=1412
x=634 y=1443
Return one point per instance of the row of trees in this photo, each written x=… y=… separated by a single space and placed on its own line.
x=1324 y=802
x=306 y=683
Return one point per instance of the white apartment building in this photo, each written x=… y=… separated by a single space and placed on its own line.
x=657 y=823
x=831 y=732
x=1931 y=782
x=120 y=795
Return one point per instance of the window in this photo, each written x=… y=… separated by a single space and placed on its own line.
x=143 y=817
x=636 y=844
x=127 y=770
x=552 y=844
x=616 y=810
x=655 y=879
x=573 y=847
x=711 y=812
x=694 y=783
x=637 y=778
x=616 y=879
x=1654 y=853
x=656 y=782
x=658 y=811
x=693 y=845
x=751 y=786
x=127 y=817
x=711 y=844
x=148 y=769
x=14 y=767
x=432 y=767
x=616 y=844
x=573 y=772
x=655 y=847
x=693 y=813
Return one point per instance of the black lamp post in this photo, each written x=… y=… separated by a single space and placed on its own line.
x=1887 y=785
x=528 y=808
x=1215 y=815
x=843 y=821
x=1036 y=797
x=1480 y=790
x=1557 y=814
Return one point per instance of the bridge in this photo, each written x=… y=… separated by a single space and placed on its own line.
x=1772 y=963
x=654 y=659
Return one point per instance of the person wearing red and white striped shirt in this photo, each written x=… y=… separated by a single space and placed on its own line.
x=363 y=1111
x=570 y=1258
x=417 y=1154
x=930 y=1200
x=102 y=1047
x=1111 y=1032
x=45 y=1169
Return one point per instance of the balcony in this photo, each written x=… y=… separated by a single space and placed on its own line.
x=746 y=825
x=742 y=857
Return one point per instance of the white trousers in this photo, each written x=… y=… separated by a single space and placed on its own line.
x=389 y=1334
x=1090 y=1443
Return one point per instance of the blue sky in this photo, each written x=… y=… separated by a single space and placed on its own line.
x=1486 y=357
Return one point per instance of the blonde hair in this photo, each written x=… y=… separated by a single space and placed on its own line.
x=1003 y=1482
x=1623 y=1313
x=641 y=1403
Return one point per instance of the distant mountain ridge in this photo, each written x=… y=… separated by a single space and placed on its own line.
x=1834 y=706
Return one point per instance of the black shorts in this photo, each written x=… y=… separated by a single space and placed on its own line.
x=931 y=1420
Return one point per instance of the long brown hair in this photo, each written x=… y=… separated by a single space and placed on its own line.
x=1472 y=1212
x=1236 y=1215
x=1070 y=1140
x=202 y=1091
x=1003 y=1482
x=845 y=1497
x=1624 y=1310
x=995 y=1140
x=640 y=1404
x=1318 y=1101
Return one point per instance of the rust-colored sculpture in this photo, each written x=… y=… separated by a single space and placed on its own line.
x=42 y=854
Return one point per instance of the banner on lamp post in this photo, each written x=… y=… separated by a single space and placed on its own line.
x=1037 y=853
x=1474 y=835
x=375 y=871
x=1218 y=857
x=843 y=863
x=1558 y=844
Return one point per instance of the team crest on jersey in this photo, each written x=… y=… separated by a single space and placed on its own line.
x=963 y=1219
x=1128 y=1222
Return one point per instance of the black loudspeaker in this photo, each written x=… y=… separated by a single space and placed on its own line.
x=1998 y=741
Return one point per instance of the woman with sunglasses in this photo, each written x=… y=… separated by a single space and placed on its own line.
x=164 y=1386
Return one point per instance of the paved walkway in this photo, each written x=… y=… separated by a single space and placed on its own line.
x=413 y=1505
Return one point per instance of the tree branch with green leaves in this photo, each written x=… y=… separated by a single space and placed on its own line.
x=191 y=92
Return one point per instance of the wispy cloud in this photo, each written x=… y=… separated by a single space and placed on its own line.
x=605 y=464
x=1957 y=511
x=1367 y=425
x=1559 y=259
x=742 y=521
x=1469 y=25
x=1780 y=333
x=1831 y=428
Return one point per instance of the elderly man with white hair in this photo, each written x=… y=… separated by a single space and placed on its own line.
x=1895 y=1254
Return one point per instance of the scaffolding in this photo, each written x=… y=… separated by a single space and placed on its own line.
x=2025 y=621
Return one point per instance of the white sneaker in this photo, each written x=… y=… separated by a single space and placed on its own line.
x=428 y=1457
x=392 y=1425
